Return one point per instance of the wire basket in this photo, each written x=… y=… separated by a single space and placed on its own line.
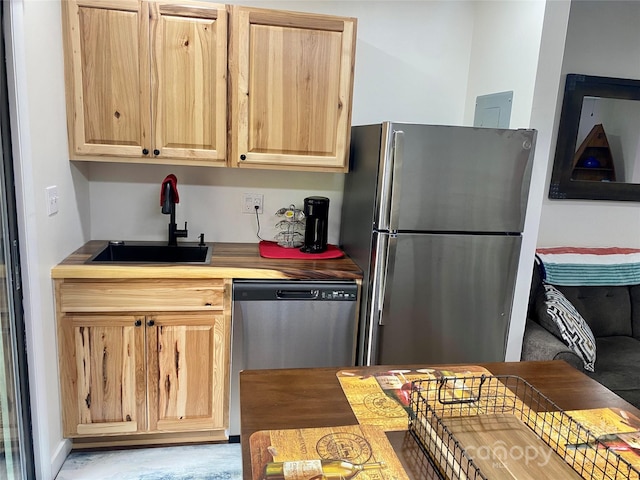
x=291 y=234
x=434 y=402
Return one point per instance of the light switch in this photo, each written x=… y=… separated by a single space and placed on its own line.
x=52 y=199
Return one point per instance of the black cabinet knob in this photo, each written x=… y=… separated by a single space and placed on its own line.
x=243 y=157
x=156 y=152
x=151 y=323
x=145 y=151
x=138 y=323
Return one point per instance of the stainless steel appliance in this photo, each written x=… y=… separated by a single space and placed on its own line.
x=434 y=217
x=290 y=324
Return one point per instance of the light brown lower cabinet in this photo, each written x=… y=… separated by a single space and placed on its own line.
x=136 y=373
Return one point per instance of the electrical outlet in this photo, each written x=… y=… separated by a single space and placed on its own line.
x=250 y=201
x=52 y=200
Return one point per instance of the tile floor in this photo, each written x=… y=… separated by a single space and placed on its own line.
x=193 y=462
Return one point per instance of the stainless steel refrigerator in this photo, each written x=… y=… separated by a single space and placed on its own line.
x=434 y=217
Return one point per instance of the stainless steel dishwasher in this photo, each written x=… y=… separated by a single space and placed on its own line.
x=290 y=324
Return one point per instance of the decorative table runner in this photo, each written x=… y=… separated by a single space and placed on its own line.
x=308 y=452
x=380 y=402
x=602 y=421
x=616 y=428
x=382 y=398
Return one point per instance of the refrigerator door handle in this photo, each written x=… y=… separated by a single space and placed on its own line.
x=398 y=155
x=390 y=183
x=379 y=280
x=374 y=312
x=386 y=254
x=390 y=260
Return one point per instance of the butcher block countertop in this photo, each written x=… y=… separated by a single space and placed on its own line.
x=228 y=260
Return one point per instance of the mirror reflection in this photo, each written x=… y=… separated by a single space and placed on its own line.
x=607 y=144
x=598 y=144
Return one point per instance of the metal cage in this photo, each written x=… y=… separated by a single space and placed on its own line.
x=435 y=401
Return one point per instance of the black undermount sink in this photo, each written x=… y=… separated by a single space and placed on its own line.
x=152 y=252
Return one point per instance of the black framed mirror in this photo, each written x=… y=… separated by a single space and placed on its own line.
x=598 y=148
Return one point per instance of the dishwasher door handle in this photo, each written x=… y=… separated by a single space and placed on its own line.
x=297 y=294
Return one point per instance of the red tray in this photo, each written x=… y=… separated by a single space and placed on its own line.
x=273 y=250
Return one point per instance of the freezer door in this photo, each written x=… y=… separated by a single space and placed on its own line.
x=455 y=179
x=447 y=298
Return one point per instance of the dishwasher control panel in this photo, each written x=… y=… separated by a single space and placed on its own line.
x=265 y=290
x=337 y=295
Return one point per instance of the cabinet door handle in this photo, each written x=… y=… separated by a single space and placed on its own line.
x=156 y=152
x=151 y=323
x=138 y=323
x=145 y=151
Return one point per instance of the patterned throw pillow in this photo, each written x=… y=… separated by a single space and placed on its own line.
x=573 y=328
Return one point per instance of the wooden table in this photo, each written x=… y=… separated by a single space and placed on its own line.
x=303 y=398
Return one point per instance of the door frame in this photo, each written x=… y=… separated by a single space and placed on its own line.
x=12 y=226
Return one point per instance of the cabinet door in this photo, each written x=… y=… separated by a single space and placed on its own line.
x=189 y=92
x=102 y=361
x=187 y=372
x=108 y=81
x=292 y=81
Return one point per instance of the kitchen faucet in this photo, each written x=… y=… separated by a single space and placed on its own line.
x=169 y=198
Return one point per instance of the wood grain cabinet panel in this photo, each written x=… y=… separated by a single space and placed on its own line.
x=189 y=81
x=137 y=372
x=291 y=87
x=107 y=78
x=103 y=359
x=146 y=81
x=182 y=391
x=141 y=295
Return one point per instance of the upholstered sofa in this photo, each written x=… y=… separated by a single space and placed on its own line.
x=612 y=313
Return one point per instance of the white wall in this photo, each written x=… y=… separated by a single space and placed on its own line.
x=603 y=39
x=125 y=201
x=40 y=153
x=412 y=64
x=504 y=55
x=546 y=99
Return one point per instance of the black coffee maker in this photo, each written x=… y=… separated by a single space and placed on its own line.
x=316 y=212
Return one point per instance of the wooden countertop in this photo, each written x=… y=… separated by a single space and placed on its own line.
x=313 y=397
x=228 y=260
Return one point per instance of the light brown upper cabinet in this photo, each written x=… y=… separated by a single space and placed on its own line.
x=291 y=89
x=146 y=81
